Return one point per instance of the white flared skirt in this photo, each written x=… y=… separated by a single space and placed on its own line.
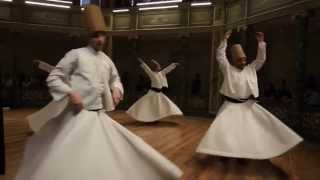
x=152 y=107
x=247 y=130
x=91 y=146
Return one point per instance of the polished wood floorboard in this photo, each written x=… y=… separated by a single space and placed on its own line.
x=177 y=139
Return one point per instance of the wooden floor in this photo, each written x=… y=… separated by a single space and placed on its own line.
x=177 y=138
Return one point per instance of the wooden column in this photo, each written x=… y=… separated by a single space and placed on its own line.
x=216 y=76
x=2 y=143
x=302 y=23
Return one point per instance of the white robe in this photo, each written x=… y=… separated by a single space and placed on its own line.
x=89 y=145
x=154 y=105
x=245 y=130
x=85 y=73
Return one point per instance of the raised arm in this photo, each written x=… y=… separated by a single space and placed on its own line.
x=170 y=67
x=261 y=52
x=221 y=51
x=145 y=67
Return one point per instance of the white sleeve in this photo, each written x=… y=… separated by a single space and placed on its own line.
x=59 y=76
x=261 y=56
x=115 y=80
x=221 y=55
x=146 y=68
x=169 y=68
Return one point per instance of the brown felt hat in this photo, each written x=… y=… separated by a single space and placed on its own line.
x=237 y=52
x=94 y=19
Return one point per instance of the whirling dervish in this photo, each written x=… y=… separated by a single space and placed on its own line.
x=155 y=105
x=242 y=128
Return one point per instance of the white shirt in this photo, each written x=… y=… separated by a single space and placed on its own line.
x=158 y=79
x=89 y=72
x=240 y=84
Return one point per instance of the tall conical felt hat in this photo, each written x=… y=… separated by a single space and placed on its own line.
x=94 y=19
x=237 y=52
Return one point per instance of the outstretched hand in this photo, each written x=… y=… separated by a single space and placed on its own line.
x=154 y=61
x=260 y=36
x=140 y=60
x=117 y=96
x=36 y=62
x=227 y=34
x=76 y=100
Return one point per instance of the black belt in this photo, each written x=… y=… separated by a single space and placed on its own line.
x=95 y=110
x=238 y=100
x=158 y=90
